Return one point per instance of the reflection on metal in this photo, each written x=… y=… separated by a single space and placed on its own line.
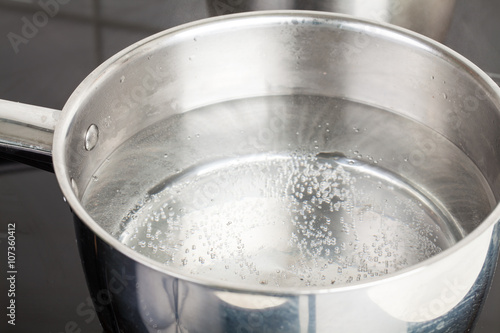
x=428 y=17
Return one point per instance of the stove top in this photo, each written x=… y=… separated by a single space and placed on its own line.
x=42 y=64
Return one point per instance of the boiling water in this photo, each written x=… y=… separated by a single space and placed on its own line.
x=288 y=191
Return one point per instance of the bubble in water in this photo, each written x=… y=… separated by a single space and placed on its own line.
x=273 y=211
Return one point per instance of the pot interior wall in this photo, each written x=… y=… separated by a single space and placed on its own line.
x=380 y=104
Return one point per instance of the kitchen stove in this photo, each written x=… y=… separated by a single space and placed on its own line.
x=46 y=48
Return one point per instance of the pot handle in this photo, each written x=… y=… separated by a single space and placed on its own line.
x=26 y=133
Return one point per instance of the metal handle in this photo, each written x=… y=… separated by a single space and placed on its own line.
x=26 y=133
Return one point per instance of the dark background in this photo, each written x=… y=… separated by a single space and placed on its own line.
x=50 y=283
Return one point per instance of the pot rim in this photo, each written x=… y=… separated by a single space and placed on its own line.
x=348 y=22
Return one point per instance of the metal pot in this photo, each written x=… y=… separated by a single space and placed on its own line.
x=392 y=136
x=427 y=17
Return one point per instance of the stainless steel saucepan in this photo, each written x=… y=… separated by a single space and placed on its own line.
x=281 y=171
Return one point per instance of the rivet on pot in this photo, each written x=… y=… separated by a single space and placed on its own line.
x=91 y=137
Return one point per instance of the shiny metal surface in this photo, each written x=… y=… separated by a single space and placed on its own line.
x=433 y=295
x=427 y=17
x=132 y=297
x=27 y=133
